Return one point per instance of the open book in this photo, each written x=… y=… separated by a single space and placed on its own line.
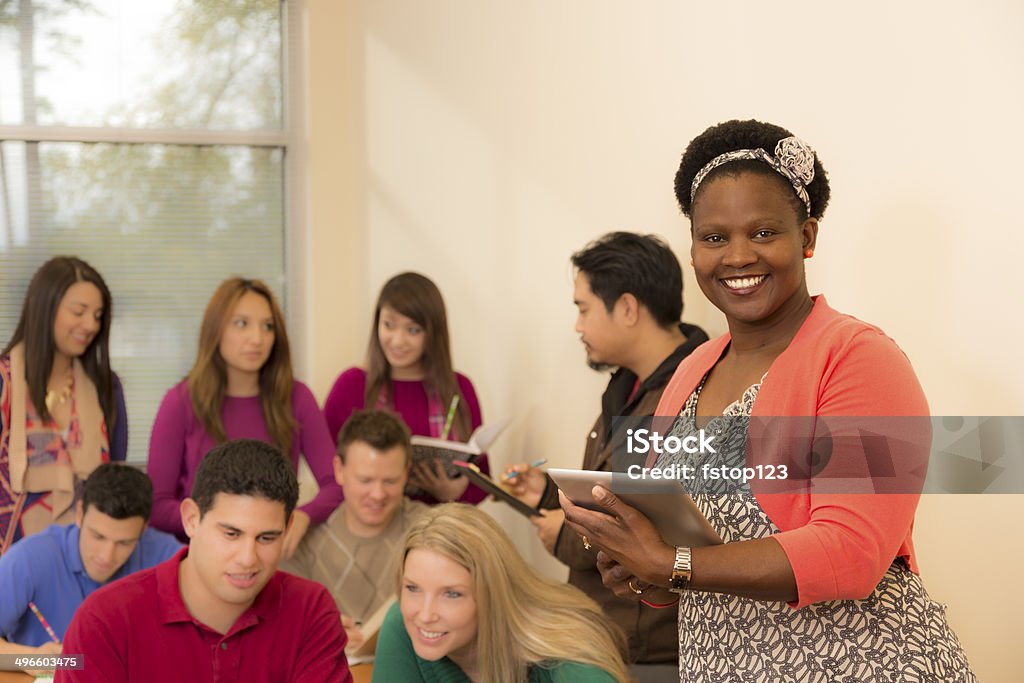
x=370 y=629
x=427 y=448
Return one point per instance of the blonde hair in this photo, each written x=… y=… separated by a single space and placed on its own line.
x=523 y=619
x=208 y=379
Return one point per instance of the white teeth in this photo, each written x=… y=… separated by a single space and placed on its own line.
x=432 y=634
x=744 y=282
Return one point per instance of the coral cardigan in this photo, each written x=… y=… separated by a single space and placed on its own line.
x=839 y=544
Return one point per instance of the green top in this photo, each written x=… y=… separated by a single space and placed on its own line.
x=396 y=661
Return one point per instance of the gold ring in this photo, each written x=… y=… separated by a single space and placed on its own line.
x=633 y=587
x=586 y=542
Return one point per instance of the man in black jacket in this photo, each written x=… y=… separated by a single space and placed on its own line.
x=629 y=294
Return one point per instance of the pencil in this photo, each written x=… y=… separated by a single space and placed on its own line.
x=535 y=463
x=451 y=417
x=42 y=620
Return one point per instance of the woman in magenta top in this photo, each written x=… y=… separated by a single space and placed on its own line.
x=241 y=387
x=409 y=370
x=817 y=578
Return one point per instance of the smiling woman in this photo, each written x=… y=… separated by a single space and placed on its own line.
x=748 y=250
x=816 y=585
x=470 y=609
x=62 y=408
x=409 y=371
x=241 y=386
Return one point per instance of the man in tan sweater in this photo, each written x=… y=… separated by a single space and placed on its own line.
x=354 y=553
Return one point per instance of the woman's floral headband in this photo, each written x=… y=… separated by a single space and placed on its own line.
x=794 y=160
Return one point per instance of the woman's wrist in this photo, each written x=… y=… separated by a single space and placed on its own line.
x=659 y=598
x=658 y=570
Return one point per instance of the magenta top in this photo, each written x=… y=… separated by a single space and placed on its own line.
x=410 y=401
x=179 y=442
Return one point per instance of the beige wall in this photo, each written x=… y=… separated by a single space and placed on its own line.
x=482 y=143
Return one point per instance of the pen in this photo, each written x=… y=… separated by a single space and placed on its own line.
x=42 y=620
x=535 y=463
x=451 y=416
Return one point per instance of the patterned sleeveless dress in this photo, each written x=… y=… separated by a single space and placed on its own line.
x=895 y=634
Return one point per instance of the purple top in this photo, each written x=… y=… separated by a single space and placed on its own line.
x=179 y=442
x=410 y=401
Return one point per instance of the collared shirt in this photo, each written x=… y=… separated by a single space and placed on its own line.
x=140 y=630
x=46 y=568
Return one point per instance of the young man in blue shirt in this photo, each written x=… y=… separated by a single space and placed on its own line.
x=57 y=568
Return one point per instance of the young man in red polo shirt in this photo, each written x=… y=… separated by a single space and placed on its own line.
x=219 y=610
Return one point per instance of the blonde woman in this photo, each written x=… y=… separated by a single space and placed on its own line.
x=470 y=609
x=240 y=387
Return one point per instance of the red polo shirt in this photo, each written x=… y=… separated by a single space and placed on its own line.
x=138 y=629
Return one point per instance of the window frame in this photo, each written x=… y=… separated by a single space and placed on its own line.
x=290 y=139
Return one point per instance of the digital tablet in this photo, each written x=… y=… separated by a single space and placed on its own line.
x=663 y=501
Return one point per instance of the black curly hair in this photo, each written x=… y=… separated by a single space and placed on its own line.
x=246 y=467
x=733 y=135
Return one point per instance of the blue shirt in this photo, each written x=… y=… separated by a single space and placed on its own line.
x=46 y=568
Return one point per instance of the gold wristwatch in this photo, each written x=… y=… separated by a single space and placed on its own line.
x=681 y=572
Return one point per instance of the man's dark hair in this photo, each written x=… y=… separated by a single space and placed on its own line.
x=118 y=491
x=642 y=265
x=246 y=467
x=379 y=429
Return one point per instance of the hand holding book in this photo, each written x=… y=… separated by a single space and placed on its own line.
x=429 y=450
x=433 y=477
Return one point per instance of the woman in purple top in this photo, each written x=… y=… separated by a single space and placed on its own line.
x=409 y=371
x=241 y=387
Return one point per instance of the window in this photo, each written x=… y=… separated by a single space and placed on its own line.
x=148 y=138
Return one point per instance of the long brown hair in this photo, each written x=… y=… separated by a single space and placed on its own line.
x=208 y=378
x=416 y=297
x=523 y=618
x=35 y=328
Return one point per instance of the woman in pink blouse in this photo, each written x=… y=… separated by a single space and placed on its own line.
x=240 y=387
x=409 y=371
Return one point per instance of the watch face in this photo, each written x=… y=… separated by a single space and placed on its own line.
x=680 y=577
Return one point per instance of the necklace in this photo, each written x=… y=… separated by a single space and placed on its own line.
x=54 y=398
